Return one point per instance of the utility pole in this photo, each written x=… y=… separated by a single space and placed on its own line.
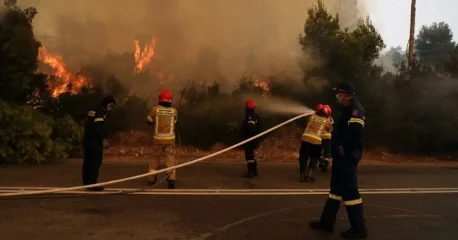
x=412 y=34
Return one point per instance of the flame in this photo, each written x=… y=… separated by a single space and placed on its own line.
x=264 y=86
x=143 y=58
x=66 y=81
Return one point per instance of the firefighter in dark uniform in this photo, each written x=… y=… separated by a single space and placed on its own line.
x=310 y=151
x=251 y=127
x=326 y=143
x=346 y=150
x=95 y=136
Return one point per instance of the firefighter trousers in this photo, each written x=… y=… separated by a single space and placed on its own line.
x=93 y=157
x=344 y=187
x=309 y=154
x=250 y=158
x=167 y=152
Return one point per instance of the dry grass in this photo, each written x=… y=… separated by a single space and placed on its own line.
x=283 y=146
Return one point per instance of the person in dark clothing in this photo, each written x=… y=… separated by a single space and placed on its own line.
x=346 y=150
x=94 y=141
x=251 y=127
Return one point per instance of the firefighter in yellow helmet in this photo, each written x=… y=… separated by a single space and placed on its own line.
x=326 y=143
x=163 y=117
x=310 y=151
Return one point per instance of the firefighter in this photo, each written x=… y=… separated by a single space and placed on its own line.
x=95 y=135
x=326 y=143
x=164 y=118
x=317 y=123
x=346 y=151
x=251 y=127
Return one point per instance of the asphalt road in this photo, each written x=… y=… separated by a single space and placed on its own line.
x=116 y=217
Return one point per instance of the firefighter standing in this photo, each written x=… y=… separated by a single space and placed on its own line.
x=163 y=117
x=251 y=127
x=317 y=123
x=346 y=150
x=326 y=144
x=95 y=135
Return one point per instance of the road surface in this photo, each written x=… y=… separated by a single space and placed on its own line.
x=406 y=215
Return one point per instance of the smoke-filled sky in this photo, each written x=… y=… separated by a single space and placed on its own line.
x=195 y=37
x=392 y=18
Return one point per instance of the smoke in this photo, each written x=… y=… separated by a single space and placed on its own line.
x=278 y=106
x=202 y=40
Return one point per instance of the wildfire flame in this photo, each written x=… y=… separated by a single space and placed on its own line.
x=66 y=81
x=143 y=58
x=264 y=86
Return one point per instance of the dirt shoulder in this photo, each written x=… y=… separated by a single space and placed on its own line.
x=268 y=155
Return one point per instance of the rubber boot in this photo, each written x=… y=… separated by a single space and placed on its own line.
x=302 y=177
x=358 y=223
x=255 y=168
x=328 y=216
x=152 y=182
x=250 y=172
x=309 y=176
x=321 y=163
x=325 y=164
x=171 y=184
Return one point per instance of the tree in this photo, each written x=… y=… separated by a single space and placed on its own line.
x=18 y=54
x=347 y=54
x=434 y=43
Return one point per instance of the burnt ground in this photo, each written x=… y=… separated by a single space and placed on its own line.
x=408 y=215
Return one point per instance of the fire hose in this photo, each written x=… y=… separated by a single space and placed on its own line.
x=177 y=158
x=155 y=172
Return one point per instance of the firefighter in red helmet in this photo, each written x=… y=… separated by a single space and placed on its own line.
x=310 y=151
x=326 y=141
x=251 y=127
x=164 y=118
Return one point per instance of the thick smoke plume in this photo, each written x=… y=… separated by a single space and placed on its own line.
x=203 y=40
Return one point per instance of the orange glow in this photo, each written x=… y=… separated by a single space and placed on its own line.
x=264 y=86
x=66 y=81
x=143 y=58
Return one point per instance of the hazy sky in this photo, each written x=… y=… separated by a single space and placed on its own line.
x=392 y=17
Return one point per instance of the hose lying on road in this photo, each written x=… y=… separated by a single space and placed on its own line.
x=105 y=193
x=156 y=172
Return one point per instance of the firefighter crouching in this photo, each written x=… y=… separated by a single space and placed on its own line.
x=95 y=135
x=326 y=144
x=317 y=123
x=163 y=117
x=251 y=127
x=346 y=151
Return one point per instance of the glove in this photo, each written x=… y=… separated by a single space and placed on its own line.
x=105 y=143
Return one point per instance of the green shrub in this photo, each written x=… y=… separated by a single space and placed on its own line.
x=26 y=135
x=67 y=135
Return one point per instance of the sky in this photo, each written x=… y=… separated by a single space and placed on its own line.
x=392 y=18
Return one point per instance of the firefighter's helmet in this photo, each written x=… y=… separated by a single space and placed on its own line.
x=327 y=110
x=319 y=107
x=250 y=104
x=165 y=96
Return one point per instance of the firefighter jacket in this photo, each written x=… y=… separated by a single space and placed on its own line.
x=316 y=126
x=94 y=128
x=251 y=125
x=348 y=130
x=164 y=119
x=327 y=131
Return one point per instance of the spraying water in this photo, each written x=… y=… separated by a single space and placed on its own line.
x=280 y=106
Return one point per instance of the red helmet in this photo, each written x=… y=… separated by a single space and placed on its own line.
x=319 y=107
x=327 y=110
x=165 y=96
x=250 y=104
